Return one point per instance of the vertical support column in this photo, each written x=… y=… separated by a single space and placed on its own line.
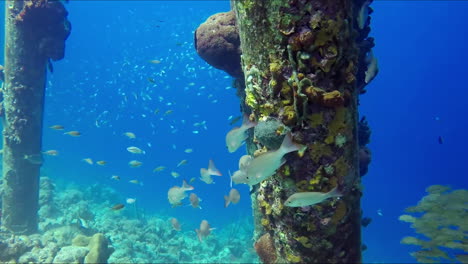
x=35 y=33
x=305 y=63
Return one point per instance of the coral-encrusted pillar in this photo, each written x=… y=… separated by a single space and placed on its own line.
x=305 y=62
x=35 y=33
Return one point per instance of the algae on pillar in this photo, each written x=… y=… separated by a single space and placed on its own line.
x=305 y=63
x=35 y=33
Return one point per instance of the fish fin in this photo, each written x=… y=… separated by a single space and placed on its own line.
x=198 y=234
x=186 y=186
x=230 y=177
x=283 y=161
x=253 y=189
x=212 y=169
x=246 y=123
x=50 y=66
x=226 y=201
x=288 y=145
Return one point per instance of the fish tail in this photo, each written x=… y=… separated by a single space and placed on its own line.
x=247 y=123
x=288 y=145
x=230 y=177
x=335 y=192
x=186 y=186
x=198 y=234
x=212 y=169
x=227 y=201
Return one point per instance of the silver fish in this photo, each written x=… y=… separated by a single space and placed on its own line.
x=266 y=164
x=302 y=199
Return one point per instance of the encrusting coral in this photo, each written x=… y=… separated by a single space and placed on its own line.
x=441 y=221
x=265 y=247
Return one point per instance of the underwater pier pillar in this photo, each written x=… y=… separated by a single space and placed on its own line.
x=305 y=63
x=35 y=33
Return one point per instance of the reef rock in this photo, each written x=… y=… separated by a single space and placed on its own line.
x=38 y=254
x=71 y=254
x=81 y=241
x=217 y=42
x=99 y=250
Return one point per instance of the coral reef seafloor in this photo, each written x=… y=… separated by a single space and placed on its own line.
x=77 y=225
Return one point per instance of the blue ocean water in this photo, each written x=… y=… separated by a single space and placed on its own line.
x=102 y=89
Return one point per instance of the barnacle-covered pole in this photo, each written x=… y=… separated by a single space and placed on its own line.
x=305 y=63
x=35 y=33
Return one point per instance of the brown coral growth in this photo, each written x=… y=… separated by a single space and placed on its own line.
x=217 y=42
x=333 y=99
x=265 y=247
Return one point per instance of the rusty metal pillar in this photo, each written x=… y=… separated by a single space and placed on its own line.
x=305 y=63
x=35 y=34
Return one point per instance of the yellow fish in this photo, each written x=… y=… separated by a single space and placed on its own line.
x=234 y=120
x=115 y=177
x=182 y=162
x=101 y=162
x=57 y=127
x=136 y=182
x=117 y=207
x=135 y=150
x=168 y=112
x=73 y=133
x=189 y=150
x=130 y=135
x=158 y=169
x=175 y=174
x=51 y=152
x=88 y=160
x=155 y=61
x=135 y=163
